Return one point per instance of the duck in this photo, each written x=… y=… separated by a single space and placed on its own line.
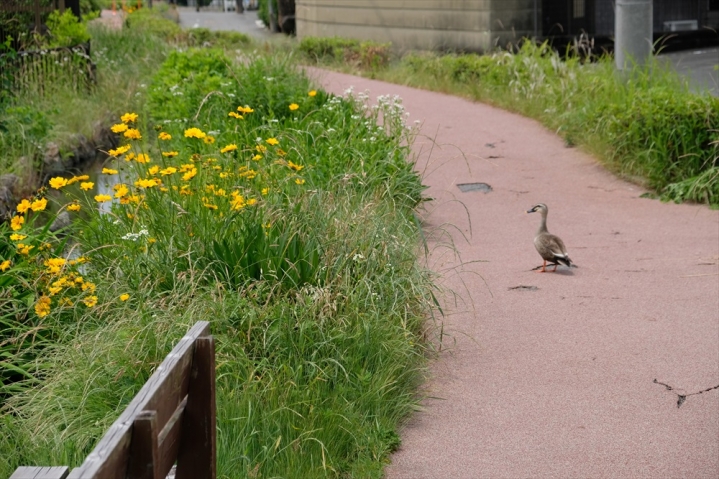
x=550 y=247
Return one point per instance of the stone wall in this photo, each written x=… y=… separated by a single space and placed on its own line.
x=464 y=25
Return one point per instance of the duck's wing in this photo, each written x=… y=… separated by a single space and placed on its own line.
x=555 y=245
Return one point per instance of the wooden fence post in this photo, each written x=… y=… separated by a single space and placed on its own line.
x=144 y=455
x=196 y=458
x=37 y=15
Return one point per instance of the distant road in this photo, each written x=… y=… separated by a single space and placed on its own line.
x=699 y=66
x=247 y=22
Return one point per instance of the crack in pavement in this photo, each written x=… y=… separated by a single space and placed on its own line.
x=683 y=397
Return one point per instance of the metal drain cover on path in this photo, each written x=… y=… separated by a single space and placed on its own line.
x=467 y=187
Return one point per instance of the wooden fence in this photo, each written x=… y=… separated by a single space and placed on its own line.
x=171 y=420
x=25 y=16
x=40 y=71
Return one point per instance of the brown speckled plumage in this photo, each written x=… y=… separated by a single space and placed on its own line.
x=550 y=247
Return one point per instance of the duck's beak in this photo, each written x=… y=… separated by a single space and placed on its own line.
x=530 y=211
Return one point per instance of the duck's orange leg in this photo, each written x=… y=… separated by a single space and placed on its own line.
x=555 y=268
x=544 y=267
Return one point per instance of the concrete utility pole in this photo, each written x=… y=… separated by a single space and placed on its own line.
x=633 y=40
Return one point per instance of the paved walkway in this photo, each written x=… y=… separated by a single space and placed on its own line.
x=552 y=375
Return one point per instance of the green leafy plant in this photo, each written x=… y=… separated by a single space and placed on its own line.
x=66 y=30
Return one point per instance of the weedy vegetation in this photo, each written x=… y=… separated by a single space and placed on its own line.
x=239 y=194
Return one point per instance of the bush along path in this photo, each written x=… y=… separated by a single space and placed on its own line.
x=553 y=374
x=244 y=196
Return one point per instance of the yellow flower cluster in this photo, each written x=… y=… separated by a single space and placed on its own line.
x=195 y=133
x=189 y=182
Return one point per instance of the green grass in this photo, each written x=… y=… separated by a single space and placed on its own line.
x=645 y=126
x=311 y=283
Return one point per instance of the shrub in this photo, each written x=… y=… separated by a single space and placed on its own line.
x=367 y=55
x=66 y=29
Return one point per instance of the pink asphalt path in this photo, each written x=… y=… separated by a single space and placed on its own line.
x=558 y=381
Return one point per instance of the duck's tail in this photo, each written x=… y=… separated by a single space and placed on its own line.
x=564 y=259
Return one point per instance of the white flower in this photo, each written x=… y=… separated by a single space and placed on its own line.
x=135 y=236
x=357 y=257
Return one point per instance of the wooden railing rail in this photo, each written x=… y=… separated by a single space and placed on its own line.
x=171 y=420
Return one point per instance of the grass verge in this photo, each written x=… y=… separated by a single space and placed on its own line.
x=242 y=196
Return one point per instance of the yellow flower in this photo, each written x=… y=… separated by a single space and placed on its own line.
x=209 y=139
x=190 y=174
x=39 y=205
x=169 y=154
x=121 y=150
x=124 y=297
x=265 y=191
x=235 y=115
x=17 y=237
x=261 y=148
x=78 y=178
x=153 y=170
x=164 y=136
x=230 y=147
x=42 y=307
x=245 y=109
x=54 y=265
x=58 y=182
x=130 y=156
x=90 y=301
x=109 y=171
x=87 y=185
x=23 y=206
x=102 y=198
x=24 y=249
x=5 y=265
x=16 y=222
x=237 y=202
x=224 y=174
x=195 y=133
x=143 y=158
x=168 y=171
x=272 y=141
x=312 y=93
x=257 y=157
x=251 y=201
x=129 y=117
x=65 y=302
x=133 y=134
x=120 y=190
x=89 y=286
x=210 y=206
x=300 y=181
x=119 y=128
x=73 y=207
x=294 y=167
x=249 y=174
x=146 y=183
x=294 y=106
x=281 y=152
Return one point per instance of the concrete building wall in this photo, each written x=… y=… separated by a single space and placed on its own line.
x=466 y=25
